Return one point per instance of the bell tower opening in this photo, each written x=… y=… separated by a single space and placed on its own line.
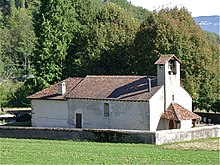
x=172 y=67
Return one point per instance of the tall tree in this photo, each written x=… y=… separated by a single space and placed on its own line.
x=85 y=13
x=19 y=40
x=55 y=26
x=107 y=51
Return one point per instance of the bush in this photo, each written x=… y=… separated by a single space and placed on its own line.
x=30 y=86
x=8 y=89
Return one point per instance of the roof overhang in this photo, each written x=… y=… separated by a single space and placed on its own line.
x=165 y=58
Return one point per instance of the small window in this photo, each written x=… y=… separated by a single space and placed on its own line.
x=172 y=97
x=106 y=109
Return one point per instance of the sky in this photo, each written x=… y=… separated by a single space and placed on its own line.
x=196 y=7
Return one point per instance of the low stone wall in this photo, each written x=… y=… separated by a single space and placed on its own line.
x=100 y=135
x=111 y=135
x=178 y=135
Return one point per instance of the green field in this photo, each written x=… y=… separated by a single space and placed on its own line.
x=33 y=151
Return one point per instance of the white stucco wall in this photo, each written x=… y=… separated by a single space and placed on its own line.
x=123 y=114
x=49 y=113
x=156 y=104
x=186 y=124
x=172 y=87
x=183 y=98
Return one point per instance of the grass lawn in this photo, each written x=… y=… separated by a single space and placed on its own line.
x=33 y=151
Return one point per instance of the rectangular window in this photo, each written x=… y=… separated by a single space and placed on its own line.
x=106 y=109
x=172 y=97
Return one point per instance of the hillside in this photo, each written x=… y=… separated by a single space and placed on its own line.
x=209 y=23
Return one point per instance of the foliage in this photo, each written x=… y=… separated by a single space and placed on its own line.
x=56 y=39
x=18 y=41
x=139 y=13
x=7 y=91
x=86 y=11
x=33 y=151
x=173 y=31
x=111 y=33
x=216 y=105
x=54 y=28
x=2 y=122
x=30 y=86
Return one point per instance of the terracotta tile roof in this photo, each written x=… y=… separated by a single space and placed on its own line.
x=177 y=112
x=114 y=87
x=165 y=58
x=133 y=88
x=51 y=92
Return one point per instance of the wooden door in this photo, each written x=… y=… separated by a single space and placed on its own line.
x=171 y=124
x=78 y=120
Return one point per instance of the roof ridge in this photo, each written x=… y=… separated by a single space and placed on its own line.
x=174 y=110
x=163 y=59
x=118 y=76
x=179 y=113
x=71 y=78
x=184 y=109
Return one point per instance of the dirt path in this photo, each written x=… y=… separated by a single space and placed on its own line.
x=208 y=144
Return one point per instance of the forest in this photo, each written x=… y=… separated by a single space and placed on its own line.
x=45 y=41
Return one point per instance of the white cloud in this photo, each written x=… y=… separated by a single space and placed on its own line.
x=196 y=7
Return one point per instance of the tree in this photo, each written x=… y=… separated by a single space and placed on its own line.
x=30 y=86
x=18 y=41
x=85 y=13
x=173 y=31
x=138 y=13
x=112 y=32
x=216 y=105
x=54 y=28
